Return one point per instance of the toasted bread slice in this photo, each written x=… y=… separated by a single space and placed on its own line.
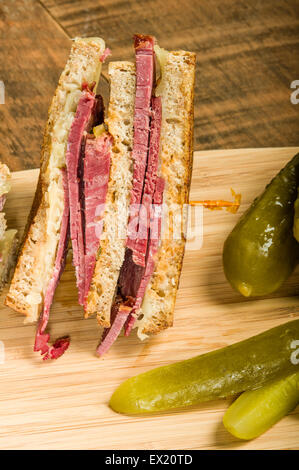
x=112 y=246
x=38 y=251
x=176 y=89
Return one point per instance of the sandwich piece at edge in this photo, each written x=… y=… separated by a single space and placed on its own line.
x=8 y=238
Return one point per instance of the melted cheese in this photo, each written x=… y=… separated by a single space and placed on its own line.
x=162 y=57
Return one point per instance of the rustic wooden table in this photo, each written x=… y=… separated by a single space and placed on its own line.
x=247 y=58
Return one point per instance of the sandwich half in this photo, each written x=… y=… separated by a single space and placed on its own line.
x=150 y=118
x=74 y=110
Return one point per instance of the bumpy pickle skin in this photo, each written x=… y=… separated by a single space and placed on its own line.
x=225 y=372
x=296 y=219
x=261 y=252
x=254 y=412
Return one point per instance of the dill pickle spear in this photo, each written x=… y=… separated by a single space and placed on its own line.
x=225 y=372
x=261 y=251
x=296 y=219
x=255 y=411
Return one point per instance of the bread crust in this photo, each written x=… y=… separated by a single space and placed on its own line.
x=37 y=252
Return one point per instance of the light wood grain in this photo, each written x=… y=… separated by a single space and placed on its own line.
x=63 y=404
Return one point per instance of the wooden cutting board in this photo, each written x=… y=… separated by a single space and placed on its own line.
x=64 y=404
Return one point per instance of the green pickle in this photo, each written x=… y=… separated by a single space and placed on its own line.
x=296 y=219
x=254 y=412
x=243 y=366
x=261 y=251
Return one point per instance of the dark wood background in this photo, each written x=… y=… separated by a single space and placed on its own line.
x=247 y=57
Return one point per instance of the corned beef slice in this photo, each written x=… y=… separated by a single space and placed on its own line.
x=128 y=284
x=140 y=246
x=145 y=68
x=82 y=123
x=153 y=246
x=106 y=53
x=96 y=176
x=134 y=279
x=2 y=201
x=119 y=315
x=129 y=277
x=42 y=338
x=140 y=254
